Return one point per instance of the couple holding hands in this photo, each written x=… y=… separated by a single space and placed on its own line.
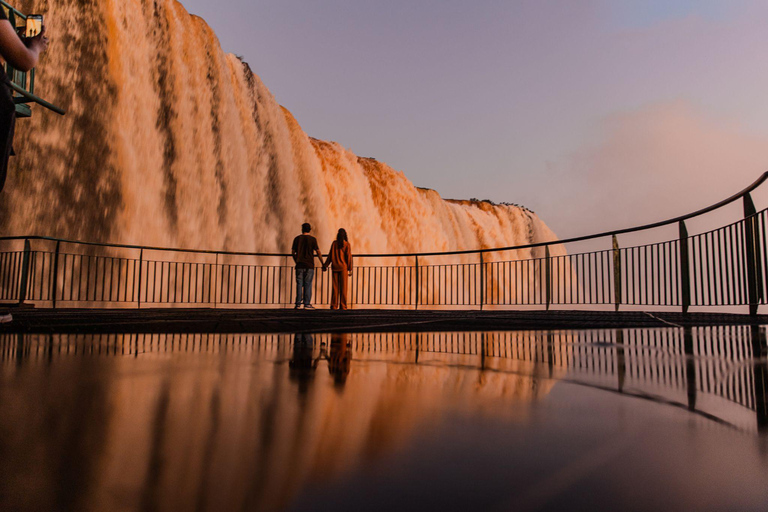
x=339 y=258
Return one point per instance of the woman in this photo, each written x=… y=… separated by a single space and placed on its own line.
x=340 y=259
x=22 y=55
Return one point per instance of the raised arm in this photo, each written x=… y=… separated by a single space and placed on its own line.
x=13 y=49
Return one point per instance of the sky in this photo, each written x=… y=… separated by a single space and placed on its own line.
x=596 y=114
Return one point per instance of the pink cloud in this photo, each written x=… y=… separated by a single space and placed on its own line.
x=650 y=164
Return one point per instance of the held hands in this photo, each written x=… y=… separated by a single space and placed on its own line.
x=325 y=268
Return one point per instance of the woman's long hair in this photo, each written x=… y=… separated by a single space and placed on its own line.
x=341 y=237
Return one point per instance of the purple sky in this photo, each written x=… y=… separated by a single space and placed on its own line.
x=596 y=114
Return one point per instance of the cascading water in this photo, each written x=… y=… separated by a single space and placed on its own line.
x=170 y=141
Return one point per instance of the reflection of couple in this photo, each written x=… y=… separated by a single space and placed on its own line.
x=339 y=258
x=339 y=360
x=303 y=364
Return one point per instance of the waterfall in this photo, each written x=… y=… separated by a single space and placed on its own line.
x=169 y=141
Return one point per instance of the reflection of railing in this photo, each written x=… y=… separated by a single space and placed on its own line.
x=670 y=363
x=681 y=367
x=724 y=267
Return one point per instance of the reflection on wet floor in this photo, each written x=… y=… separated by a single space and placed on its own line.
x=674 y=365
x=207 y=422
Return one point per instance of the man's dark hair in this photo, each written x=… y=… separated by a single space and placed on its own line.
x=306 y=228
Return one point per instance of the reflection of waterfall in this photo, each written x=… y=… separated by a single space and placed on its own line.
x=169 y=141
x=243 y=422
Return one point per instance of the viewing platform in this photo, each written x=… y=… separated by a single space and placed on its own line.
x=164 y=320
x=527 y=286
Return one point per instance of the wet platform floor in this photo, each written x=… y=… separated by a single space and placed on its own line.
x=598 y=419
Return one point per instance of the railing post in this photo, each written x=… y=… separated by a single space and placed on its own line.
x=55 y=283
x=482 y=351
x=752 y=253
x=216 y=281
x=548 y=271
x=616 y=273
x=141 y=266
x=760 y=376
x=758 y=342
x=685 y=269
x=621 y=362
x=690 y=367
x=285 y=284
x=24 y=272
x=551 y=353
x=482 y=281
x=760 y=383
x=418 y=286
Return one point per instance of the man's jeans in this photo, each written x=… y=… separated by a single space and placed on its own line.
x=304 y=278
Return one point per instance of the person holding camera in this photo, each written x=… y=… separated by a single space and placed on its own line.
x=21 y=54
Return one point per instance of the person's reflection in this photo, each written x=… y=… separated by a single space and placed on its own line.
x=302 y=366
x=339 y=360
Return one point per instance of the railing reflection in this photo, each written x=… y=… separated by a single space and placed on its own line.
x=701 y=369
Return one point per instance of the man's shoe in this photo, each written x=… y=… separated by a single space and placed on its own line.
x=309 y=306
x=297 y=306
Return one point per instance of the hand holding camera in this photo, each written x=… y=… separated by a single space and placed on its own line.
x=33 y=34
x=38 y=42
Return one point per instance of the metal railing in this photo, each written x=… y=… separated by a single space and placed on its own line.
x=727 y=266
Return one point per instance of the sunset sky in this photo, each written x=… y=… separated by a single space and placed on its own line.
x=596 y=114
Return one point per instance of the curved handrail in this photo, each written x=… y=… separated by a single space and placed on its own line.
x=644 y=227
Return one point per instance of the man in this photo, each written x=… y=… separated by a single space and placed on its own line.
x=303 y=251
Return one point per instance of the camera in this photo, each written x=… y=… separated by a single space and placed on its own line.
x=34 y=25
